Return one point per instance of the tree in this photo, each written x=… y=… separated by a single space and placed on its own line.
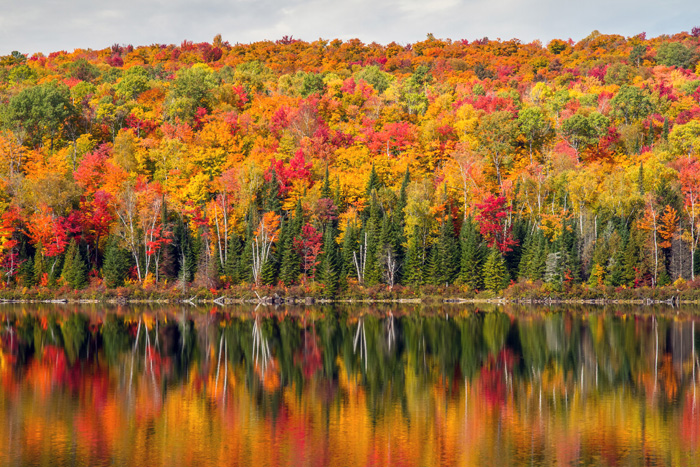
x=116 y=264
x=472 y=256
x=495 y=135
x=631 y=103
x=74 y=269
x=308 y=246
x=40 y=111
x=494 y=224
x=581 y=132
x=536 y=128
x=264 y=237
x=676 y=54
x=495 y=272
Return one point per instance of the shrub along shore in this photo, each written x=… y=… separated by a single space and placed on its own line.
x=524 y=293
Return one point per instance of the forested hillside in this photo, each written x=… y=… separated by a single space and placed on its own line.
x=338 y=166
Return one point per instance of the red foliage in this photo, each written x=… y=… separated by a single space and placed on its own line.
x=493 y=223
x=308 y=245
x=297 y=169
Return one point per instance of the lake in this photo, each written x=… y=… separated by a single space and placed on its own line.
x=400 y=385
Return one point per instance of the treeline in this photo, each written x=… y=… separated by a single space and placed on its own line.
x=341 y=166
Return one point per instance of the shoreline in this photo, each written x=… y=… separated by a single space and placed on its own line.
x=222 y=301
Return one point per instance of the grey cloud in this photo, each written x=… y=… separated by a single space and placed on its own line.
x=47 y=25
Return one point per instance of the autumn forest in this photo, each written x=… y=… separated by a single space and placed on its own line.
x=339 y=169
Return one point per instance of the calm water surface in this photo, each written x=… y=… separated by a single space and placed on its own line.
x=348 y=386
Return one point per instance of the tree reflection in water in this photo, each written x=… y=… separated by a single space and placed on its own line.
x=342 y=385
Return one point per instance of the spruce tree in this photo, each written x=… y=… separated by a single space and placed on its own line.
x=39 y=266
x=373 y=271
x=350 y=245
x=326 y=187
x=495 y=272
x=290 y=266
x=327 y=273
x=270 y=193
x=472 y=256
x=117 y=262
x=415 y=260
x=74 y=269
x=232 y=264
x=448 y=257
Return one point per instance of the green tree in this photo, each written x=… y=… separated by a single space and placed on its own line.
x=117 y=262
x=495 y=272
x=39 y=112
x=74 y=269
x=472 y=255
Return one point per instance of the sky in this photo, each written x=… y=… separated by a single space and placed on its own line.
x=51 y=25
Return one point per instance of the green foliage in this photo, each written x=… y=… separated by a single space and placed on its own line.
x=676 y=54
x=117 y=263
x=495 y=272
x=74 y=268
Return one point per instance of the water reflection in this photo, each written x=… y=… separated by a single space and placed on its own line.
x=348 y=386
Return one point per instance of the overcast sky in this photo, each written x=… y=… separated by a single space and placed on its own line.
x=51 y=25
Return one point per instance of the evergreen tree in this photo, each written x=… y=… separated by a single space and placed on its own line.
x=350 y=245
x=433 y=276
x=373 y=183
x=327 y=273
x=495 y=272
x=415 y=260
x=232 y=265
x=290 y=266
x=270 y=193
x=74 y=269
x=472 y=256
x=373 y=271
x=326 y=187
x=117 y=262
x=39 y=266
x=448 y=257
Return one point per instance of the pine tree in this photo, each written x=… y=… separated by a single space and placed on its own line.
x=117 y=262
x=495 y=272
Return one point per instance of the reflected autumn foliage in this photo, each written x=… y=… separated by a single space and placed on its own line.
x=348 y=386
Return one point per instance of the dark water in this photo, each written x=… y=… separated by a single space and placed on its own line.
x=348 y=386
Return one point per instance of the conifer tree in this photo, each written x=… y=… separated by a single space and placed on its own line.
x=472 y=256
x=290 y=266
x=448 y=257
x=415 y=260
x=326 y=187
x=232 y=264
x=270 y=193
x=373 y=272
x=74 y=269
x=39 y=266
x=495 y=272
x=117 y=262
x=350 y=245
x=327 y=273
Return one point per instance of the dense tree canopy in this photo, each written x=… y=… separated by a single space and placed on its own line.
x=335 y=163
